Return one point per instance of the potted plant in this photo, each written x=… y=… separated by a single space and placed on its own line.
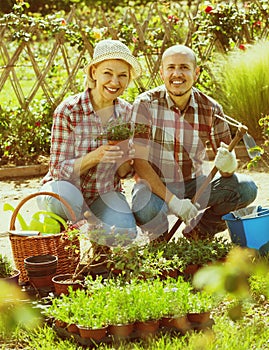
x=41 y=269
x=200 y=306
x=63 y=282
x=191 y=255
x=7 y=271
x=176 y=296
x=121 y=129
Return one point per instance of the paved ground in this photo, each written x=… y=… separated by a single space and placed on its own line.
x=14 y=190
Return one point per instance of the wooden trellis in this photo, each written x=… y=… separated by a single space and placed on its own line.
x=73 y=58
x=10 y=61
x=9 y=69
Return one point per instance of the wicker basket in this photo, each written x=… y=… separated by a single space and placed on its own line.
x=55 y=244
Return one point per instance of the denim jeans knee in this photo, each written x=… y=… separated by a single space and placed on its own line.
x=149 y=210
x=67 y=191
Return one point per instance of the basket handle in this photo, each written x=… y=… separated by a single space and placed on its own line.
x=23 y=201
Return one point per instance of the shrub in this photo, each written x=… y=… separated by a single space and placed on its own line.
x=24 y=135
x=243 y=85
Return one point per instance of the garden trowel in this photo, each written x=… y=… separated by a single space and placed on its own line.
x=251 y=147
x=249 y=142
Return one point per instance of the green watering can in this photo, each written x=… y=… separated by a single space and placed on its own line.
x=42 y=221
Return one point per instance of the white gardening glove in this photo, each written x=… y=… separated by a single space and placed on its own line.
x=225 y=161
x=182 y=208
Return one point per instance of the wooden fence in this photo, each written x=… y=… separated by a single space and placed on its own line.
x=148 y=33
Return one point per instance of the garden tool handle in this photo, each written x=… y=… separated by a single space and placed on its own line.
x=16 y=210
x=238 y=136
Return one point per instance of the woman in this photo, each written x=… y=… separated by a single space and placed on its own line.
x=84 y=169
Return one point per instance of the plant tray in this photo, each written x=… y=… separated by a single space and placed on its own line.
x=54 y=244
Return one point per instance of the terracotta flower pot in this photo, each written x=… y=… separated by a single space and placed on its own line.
x=40 y=269
x=199 y=317
x=146 y=328
x=14 y=279
x=123 y=144
x=166 y=322
x=96 y=334
x=191 y=269
x=181 y=323
x=170 y=273
x=63 y=282
x=121 y=330
x=73 y=328
x=60 y=324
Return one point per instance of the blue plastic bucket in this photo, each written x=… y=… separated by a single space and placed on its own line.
x=251 y=231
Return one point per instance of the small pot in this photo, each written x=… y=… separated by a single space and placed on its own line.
x=167 y=322
x=63 y=282
x=40 y=269
x=73 y=328
x=191 y=269
x=146 y=328
x=14 y=278
x=95 y=334
x=199 y=317
x=60 y=323
x=121 y=330
x=181 y=323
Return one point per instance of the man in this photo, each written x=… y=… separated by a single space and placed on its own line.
x=170 y=161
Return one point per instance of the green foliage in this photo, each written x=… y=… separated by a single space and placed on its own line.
x=243 y=83
x=119 y=132
x=147 y=28
x=117 y=302
x=248 y=329
x=15 y=312
x=6 y=268
x=25 y=135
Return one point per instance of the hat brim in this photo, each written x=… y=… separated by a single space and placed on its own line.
x=131 y=60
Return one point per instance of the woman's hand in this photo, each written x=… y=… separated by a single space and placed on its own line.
x=127 y=161
x=111 y=154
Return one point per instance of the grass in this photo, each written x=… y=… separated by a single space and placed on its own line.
x=243 y=84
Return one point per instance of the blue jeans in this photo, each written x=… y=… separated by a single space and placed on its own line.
x=110 y=212
x=222 y=196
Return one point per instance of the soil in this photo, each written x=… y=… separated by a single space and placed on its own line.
x=13 y=190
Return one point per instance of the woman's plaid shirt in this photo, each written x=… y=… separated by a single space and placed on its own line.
x=76 y=131
x=177 y=140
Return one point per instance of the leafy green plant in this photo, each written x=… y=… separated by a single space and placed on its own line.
x=201 y=301
x=25 y=136
x=6 y=268
x=243 y=86
x=119 y=132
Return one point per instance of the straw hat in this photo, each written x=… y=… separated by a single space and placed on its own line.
x=113 y=50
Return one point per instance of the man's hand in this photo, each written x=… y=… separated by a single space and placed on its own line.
x=182 y=208
x=225 y=161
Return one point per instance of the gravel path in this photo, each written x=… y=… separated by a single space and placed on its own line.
x=14 y=190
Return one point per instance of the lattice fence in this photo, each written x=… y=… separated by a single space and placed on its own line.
x=54 y=62
x=21 y=46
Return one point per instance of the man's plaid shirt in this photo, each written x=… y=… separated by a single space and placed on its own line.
x=177 y=140
x=76 y=131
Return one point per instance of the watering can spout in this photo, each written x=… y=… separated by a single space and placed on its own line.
x=22 y=222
